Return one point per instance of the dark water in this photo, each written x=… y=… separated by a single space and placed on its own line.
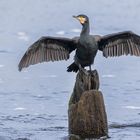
x=33 y=103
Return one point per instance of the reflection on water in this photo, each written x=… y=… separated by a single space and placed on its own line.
x=33 y=103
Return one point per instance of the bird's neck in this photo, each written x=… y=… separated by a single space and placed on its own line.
x=85 y=29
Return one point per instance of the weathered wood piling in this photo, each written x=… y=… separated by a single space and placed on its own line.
x=86 y=113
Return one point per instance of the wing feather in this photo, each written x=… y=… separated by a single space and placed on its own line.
x=118 y=44
x=48 y=49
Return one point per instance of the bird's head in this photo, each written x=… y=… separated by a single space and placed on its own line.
x=83 y=19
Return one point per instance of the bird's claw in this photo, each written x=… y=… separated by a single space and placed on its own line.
x=84 y=71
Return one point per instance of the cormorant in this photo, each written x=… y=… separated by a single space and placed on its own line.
x=86 y=46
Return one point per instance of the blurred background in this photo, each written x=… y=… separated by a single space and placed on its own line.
x=34 y=102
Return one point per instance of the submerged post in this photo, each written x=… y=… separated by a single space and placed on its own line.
x=86 y=113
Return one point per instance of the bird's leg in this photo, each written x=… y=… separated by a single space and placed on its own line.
x=90 y=68
x=82 y=69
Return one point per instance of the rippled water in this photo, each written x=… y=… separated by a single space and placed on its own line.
x=33 y=103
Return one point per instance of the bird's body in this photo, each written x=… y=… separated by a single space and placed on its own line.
x=86 y=52
x=86 y=46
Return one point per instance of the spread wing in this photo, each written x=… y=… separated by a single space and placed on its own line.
x=47 y=49
x=118 y=44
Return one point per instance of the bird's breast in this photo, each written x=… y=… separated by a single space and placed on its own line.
x=85 y=53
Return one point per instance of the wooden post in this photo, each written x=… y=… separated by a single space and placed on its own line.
x=87 y=116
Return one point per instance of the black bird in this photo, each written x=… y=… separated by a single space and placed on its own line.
x=86 y=46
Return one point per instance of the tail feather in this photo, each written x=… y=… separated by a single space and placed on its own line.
x=72 y=68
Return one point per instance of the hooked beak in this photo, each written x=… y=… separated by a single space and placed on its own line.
x=75 y=17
